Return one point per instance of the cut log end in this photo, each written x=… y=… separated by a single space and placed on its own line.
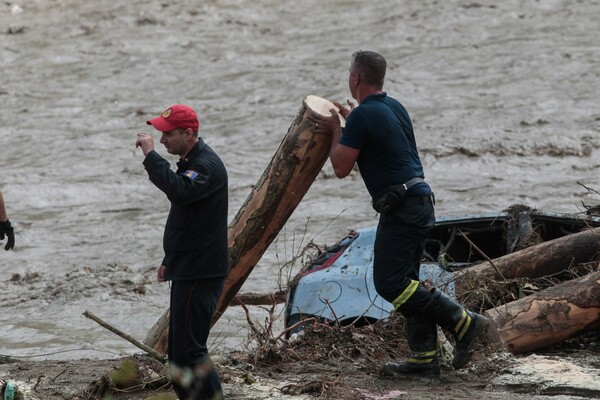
x=321 y=106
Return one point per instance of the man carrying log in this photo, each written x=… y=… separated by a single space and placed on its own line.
x=379 y=137
x=195 y=245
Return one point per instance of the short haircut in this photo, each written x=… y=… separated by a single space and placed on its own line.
x=371 y=67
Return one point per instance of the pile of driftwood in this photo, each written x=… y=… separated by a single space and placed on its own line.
x=545 y=317
x=536 y=297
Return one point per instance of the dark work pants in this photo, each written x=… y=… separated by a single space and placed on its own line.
x=399 y=246
x=192 y=305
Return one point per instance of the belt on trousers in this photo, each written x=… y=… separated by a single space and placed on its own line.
x=410 y=200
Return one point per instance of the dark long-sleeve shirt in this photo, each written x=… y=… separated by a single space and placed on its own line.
x=195 y=237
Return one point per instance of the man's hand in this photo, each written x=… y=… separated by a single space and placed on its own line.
x=160 y=273
x=344 y=112
x=330 y=124
x=322 y=124
x=342 y=157
x=7 y=230
x=146 y=142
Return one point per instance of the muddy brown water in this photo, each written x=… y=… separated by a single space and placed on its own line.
x=504 y=98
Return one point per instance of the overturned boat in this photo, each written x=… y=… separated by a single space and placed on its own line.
x=337 y=287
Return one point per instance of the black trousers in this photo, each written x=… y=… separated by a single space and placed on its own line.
x=192 y=305
x=399 y=246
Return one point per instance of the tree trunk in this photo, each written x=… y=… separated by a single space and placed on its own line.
x=542 y=259
x=293 y=169
x=550 y=316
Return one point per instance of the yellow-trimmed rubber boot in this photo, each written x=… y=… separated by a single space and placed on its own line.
x=423 y=364
x=466 y=344
x=468 y=328
x=422 y=340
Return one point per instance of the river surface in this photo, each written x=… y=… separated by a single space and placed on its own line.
x=503 y=96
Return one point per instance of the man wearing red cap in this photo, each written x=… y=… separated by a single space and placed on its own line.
x=194 y=242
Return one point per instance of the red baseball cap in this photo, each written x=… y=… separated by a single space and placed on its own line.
x=176 y=116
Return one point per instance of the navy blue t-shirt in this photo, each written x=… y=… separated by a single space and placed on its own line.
x=381 y=129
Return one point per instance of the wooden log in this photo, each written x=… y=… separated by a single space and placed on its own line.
x=550 y=316
x=542 y=259
x=157 y=337
x=292 y=170
x=259 y=299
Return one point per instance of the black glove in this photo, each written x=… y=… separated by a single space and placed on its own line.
x=7 y=229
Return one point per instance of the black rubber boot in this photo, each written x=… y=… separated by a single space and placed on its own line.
x=475 y=336
x=422 y=340
x=468 y=328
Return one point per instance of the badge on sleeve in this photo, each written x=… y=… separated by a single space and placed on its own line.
x=191 y=174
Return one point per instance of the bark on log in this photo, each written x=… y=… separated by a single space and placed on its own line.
x=292 y=170
x=550 y=316
x=157 y=337
x=542 y=259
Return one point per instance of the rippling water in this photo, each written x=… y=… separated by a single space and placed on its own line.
x=504 y=98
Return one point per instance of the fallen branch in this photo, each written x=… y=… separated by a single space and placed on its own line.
x=155 y=354
x=259 y=299
x=482 y=254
